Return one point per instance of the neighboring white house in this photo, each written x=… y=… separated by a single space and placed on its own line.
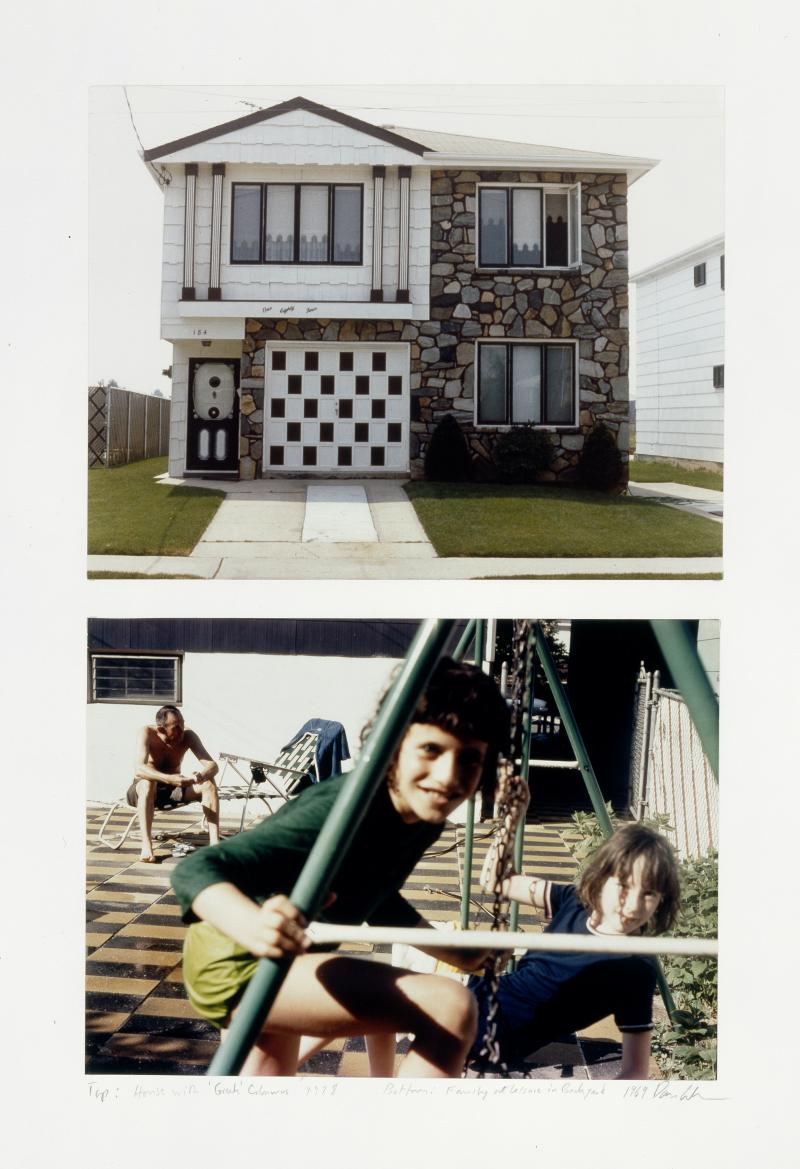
x=680 y=357
x=332 y=289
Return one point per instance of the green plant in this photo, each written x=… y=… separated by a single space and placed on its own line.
x=685 y=1047
x=600 y=464
x=447 y=458
x=521 y=454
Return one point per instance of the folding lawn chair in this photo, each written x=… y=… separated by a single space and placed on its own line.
x=107 y=837
x=270 y=781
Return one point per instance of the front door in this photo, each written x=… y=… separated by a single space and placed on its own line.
x=334 y=409
x=212 y=432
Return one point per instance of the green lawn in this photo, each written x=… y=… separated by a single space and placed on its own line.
x=472 y=519
x=650 y=471
x=132 y=515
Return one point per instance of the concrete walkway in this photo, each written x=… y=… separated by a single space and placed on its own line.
x=697 y=500
x=294 y=529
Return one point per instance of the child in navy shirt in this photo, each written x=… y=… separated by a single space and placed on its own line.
x=630 y=886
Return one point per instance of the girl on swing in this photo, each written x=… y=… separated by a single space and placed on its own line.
x=234 y=896
x=629 y=887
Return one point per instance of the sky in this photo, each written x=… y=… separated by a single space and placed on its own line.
x=680 y=126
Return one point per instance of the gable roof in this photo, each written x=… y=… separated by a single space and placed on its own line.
x=432 y=146
x=284 y=107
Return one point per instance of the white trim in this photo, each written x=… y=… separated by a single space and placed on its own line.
x=552 y=427
x=709 y=247
x=301 y=309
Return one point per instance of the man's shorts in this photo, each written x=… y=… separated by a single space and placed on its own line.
x=216 y=971
x=167 y=795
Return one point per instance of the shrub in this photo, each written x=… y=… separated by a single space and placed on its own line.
x=521 y=454
x=600 y=464
x=686 y=1046
x=447 y=458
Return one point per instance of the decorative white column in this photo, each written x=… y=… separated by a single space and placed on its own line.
x=189 y=292
x=405 y=213
x=378 y=176
x=217 y=175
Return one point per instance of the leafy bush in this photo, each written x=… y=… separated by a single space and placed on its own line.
x=521 y=453
x=685 y=1046
x=447 y=459
x=600 y=463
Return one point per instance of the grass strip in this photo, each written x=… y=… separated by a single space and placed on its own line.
x=130 y=514
x=651 y=471
x=474 y=519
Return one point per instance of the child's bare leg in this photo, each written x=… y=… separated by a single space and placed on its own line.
x=381 y=1050
x=271 y=1055
x=336 y=996
x=145 y=803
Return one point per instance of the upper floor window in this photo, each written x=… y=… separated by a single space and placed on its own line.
x=722 y=272
x=521 y=382
x=528 y=227
x=296 y=223
x=699 y=275
x=135 y=678
x=718 y=375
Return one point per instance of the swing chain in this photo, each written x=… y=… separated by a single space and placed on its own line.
x=511 y=805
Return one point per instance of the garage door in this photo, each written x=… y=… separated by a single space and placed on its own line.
x=336 y=409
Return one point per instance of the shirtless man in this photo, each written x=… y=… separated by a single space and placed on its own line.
x=160 y=752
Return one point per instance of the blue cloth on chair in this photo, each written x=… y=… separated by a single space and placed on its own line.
x=332 y=748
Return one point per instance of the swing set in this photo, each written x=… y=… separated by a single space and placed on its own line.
x=317 y=876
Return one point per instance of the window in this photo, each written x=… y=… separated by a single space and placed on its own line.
x=699 y=275
x=522 y=382
x=722 y=272
x=135 y=678
x=296 y=223
x=719 y=377
x=528 y=227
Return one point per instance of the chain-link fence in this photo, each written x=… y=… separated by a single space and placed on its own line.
x=669 y=772
x=124 y=426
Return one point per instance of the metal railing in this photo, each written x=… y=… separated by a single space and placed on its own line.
x=670 y=773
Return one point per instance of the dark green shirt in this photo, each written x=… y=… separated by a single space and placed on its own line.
x=268 y=859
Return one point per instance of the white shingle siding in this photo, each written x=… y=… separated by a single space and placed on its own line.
x=294 y=138
x=301 y=282
x=680 y=337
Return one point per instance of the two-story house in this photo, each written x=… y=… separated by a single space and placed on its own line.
x=332 y=289
x=680 y=357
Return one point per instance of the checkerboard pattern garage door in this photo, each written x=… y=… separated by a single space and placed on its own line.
x=334 y=409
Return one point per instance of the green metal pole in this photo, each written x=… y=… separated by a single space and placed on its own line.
x=337 y=833
x=680 y=652
x=525 y=760
x=469 y=828
x=465 y=640
x=573 y=732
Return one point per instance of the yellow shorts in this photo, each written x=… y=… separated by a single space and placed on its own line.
x=216 y=971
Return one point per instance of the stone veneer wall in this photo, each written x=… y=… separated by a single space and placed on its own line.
x=589 y=304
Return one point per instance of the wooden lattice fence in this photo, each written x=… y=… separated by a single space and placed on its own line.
x=124 y=426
